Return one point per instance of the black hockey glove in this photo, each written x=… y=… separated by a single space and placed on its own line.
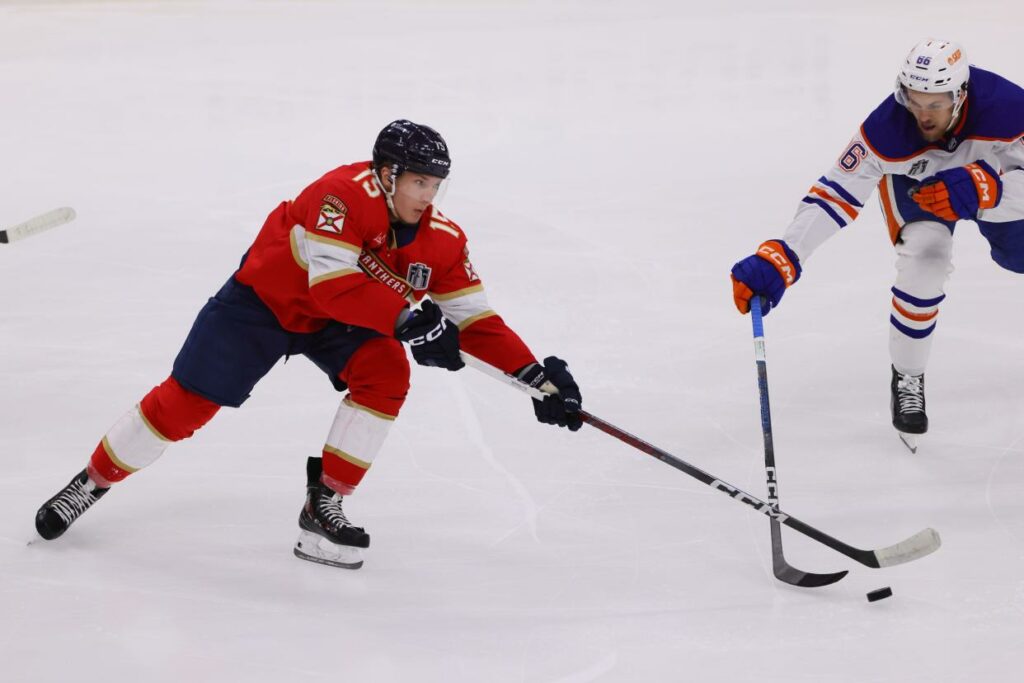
x=433 y=339
x=563 y=408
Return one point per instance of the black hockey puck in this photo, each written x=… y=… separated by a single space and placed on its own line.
x=879 y=594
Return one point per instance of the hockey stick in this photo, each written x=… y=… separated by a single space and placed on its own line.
x=920 y=544
x=783 y=570
x=50 y=219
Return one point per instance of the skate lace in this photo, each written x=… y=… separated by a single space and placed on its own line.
x=72 y=502
x=330 y=509
x=910 y=392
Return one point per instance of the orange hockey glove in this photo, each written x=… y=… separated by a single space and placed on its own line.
x=766 y=274
x=960 y=192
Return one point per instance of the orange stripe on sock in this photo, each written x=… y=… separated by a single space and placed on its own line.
x=917 y=317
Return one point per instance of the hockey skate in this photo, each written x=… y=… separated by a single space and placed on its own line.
x=326 y=535
x=907 y=404
x=58 y=513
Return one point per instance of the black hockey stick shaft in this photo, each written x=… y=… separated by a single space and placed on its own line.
x=920 y=544
x=868 y=558
x=783 y=571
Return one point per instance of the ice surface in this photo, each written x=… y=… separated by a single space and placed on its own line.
x=611 y=161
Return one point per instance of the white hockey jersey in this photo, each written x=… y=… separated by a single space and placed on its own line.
x=890 y=153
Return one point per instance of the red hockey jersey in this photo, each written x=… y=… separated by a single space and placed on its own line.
x=330 y=255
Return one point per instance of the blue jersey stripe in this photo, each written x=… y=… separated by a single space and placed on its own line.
x=827 y=209
x=910 y=331
x=914 y=301
x=841 y=191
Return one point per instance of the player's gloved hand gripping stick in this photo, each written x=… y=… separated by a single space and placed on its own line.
x=562 y=399
x=917 y=546
x=433 y=339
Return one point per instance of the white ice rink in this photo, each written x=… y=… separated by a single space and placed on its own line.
x=612 y=159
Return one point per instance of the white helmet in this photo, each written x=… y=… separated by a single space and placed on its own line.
x=935 y=66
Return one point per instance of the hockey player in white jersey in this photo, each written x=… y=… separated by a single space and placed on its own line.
x=946 y=146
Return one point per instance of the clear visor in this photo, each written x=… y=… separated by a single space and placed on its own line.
x=924 y=101
x=420 y=187
x=414 y=192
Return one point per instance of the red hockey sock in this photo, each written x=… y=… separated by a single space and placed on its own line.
x=168 y=413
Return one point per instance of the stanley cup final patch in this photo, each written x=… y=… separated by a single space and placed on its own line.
x=332 y=214
x=419 y=275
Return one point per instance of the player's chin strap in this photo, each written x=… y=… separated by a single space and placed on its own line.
x=957 y=108
x=388 y=194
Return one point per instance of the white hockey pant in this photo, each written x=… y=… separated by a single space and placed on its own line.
x=924 y=261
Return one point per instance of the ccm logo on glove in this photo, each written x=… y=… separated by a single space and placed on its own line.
x=776 y=254
x=981 y=179
x=431 y=335
x=432 y=338
x=960 y=192
x=766 y=273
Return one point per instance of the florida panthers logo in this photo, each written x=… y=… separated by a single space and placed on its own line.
x=332 y=214
x=419 y=275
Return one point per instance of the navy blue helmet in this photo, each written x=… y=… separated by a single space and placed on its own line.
x=409 y=146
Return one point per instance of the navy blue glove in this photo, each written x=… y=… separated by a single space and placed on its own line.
x=960 y=192
x=433 y=339
x=766 y=274
x=563 y=408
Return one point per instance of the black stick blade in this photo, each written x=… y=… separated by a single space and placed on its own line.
x=795 y=577
x=787 y=573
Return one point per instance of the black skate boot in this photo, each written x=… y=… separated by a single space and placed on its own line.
x=327 y=536
x=907 y=404
x=58 y=513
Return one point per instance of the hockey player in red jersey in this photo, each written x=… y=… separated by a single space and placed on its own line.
x=331 y=276
x=946 y=146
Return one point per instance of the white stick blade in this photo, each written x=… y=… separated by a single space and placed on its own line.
x=46 y=221
x=917 y=546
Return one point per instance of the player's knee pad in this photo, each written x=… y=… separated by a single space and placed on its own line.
x=377 y=375
x=924 y=257
x=174 y=412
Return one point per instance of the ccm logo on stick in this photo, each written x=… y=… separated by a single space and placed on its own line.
x=749 y=500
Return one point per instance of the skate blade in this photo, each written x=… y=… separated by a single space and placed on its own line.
x=909 y=440
x=314 y=548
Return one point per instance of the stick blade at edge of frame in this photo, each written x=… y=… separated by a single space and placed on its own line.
x=36 y=224
x=917 y=546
